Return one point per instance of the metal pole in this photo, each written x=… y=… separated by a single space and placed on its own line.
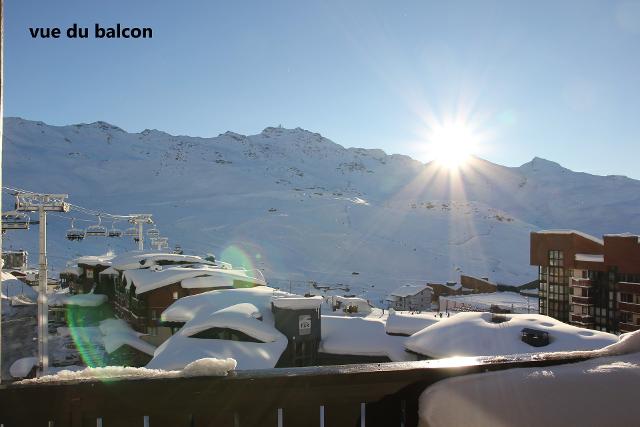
x=140 y=236
x=43 y=309
x=1 y=123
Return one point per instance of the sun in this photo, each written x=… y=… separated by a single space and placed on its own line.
x=452 y=144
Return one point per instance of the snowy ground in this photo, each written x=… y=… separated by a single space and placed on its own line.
x=512 y=301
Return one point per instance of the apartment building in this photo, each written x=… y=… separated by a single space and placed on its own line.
x=588 y=281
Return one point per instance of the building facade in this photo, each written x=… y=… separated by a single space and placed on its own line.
x=589 y=282
x=411 y=297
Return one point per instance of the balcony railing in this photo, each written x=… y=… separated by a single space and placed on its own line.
x=352 y=395
x=629 y=306
x=575 y=299
x=581 y=319
x=628 y=327
x=579 y=282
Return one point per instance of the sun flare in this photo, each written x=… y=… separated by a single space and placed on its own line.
x=452 y=144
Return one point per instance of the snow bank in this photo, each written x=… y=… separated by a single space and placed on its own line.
x=408 y=323
x=21 y=367
x=474 y=334
x=201 y=367
x=597 y=392
x=361 y=336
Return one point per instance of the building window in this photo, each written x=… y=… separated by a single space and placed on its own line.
x=152 y=330
x=175 y=295
x=154 y=315
x=89 y=273
x=624 y=297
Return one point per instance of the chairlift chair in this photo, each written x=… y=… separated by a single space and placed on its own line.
x=96 y=230
x=75 y=234
x=153 y=232
x=14 y=220
x=131 y=232
x=114 y=232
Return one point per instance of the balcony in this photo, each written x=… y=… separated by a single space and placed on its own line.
x=580 y=283
x=627 y=327
x=582 y=320
x=365 y=395
x=629 y=306
x=574 y=299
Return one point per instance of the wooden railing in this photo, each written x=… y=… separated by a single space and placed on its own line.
x=369 y=395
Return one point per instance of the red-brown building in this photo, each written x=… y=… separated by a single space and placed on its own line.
x=589 y=282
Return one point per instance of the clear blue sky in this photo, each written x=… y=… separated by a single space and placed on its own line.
x=555 y=79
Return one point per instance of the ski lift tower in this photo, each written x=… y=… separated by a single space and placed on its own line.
x=139 y=220
x=42 y=203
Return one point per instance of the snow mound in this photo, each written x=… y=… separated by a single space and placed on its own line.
x=408 y=323
x=362 y=337
x=117 y=333
x=12 y=287
x=552 y=396
x=21 y=367
x=201 y=367
x=474 y=334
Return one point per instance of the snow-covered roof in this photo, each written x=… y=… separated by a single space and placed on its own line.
x=474 y=334
x=137 y=259
x=361 y=336
x=61 y=298
x=148 y=279
x=185 y=309
x=590 y=257
x=94 y=260
x=408 y=323
x=576 y=232
x=521 y=396
x=298 y=303
x=109 y=272
x=408 y=290
x=76 y=271
x=362 y=304
x=118 y=333
x=12 y=287
x=182 y=348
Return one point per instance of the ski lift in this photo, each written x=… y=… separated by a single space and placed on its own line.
x=74 y=234
x=14 y=220
x=114 y=232
x=96 y=230
x=153 y=232
x=131 y=232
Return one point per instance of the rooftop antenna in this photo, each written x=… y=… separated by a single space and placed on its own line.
x=42 y=203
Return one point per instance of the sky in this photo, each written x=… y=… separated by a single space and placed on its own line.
x=558 y=80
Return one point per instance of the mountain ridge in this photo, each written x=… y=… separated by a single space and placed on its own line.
x=302 y=207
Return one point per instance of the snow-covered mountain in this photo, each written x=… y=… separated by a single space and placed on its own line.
x=302 y=207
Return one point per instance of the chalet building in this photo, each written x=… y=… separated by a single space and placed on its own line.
x=589 y=282
x=83 y=276
x=15 y=260
x=411 y=297
x=141 y=295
